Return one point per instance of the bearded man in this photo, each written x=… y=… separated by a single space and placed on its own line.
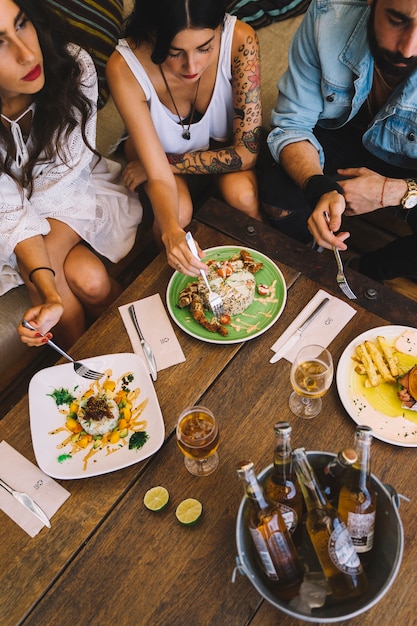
x=344 y=136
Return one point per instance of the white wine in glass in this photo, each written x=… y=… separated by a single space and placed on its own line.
x=198 y=440
x=311 y=377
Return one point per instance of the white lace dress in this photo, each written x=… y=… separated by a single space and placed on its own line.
x=79 y=190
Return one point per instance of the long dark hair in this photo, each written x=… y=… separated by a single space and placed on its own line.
x=158 y=21
x=58 y=102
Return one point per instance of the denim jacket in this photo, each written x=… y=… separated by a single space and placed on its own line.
x=329 y=78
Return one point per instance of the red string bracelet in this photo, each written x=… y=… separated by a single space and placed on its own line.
x=383 y=190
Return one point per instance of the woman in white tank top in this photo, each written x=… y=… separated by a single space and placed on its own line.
x=186 y=83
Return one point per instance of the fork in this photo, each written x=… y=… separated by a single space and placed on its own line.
x=215 y=301
x=340 y=277
x=80 y=369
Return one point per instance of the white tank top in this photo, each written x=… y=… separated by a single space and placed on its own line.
x=217 y=121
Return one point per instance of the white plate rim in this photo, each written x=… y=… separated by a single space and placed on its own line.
x=41 y=440
x=237 y=340
x=345 y=365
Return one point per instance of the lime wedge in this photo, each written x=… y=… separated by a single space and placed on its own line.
x=189 y=511
x=156 y=499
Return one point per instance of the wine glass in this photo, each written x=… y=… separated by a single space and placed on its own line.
x=198 y=440
x=311 y=377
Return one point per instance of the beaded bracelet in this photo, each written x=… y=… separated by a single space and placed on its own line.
x=40 y=268
x=319 y=184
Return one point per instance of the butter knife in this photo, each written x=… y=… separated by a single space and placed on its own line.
x=291 y=341
x=147 y=350
x=27 y=502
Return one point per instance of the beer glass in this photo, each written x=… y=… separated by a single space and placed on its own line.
x=198 y=440
x=311 y=377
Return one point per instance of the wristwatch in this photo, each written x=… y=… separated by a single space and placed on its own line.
x=409 y=200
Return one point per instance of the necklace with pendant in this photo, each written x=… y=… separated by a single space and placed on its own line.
x=185 y=130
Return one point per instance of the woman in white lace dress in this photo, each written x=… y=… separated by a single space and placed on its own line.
x=186 y=82
x=58 y=201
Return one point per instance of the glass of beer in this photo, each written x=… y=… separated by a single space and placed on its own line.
x=311 y=377
x=198 y=440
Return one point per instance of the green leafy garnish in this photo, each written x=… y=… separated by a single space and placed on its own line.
x=126 y=380
x=61 y=396
x=138 y=440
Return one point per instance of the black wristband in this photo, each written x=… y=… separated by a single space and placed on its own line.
x=40 y=268
x=316 y=186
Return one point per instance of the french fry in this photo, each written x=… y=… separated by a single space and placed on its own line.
x=378 y=359
x=368 y=364
x=390 y=356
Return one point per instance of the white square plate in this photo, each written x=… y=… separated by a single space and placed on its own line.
x=46 y=417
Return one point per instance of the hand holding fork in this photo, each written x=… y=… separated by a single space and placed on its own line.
x=340 y=276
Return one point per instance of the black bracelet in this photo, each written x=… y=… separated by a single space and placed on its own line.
x=40 y=268
x=316 y=186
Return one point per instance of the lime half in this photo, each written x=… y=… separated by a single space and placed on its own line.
x=156 y=499
x=189 y=511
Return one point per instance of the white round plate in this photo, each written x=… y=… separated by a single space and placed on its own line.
x=379 y=408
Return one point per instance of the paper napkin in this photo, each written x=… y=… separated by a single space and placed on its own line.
x=22 y=475
x=157 y=330
x=323 y=329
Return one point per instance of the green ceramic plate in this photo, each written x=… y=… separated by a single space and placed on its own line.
x=261 y=315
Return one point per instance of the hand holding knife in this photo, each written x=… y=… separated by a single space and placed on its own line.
x=292 y=340
x=147 y=350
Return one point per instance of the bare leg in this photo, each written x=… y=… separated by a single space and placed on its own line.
x=88 y=279
x=240 y=190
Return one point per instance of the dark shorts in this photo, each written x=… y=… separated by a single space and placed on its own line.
x=288 y=210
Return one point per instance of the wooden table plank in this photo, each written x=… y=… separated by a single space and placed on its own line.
x=29 y=566
x=319 y=267
x=144 y=568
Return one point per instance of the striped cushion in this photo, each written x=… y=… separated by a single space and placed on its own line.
x=96 y=27
x=259 y=13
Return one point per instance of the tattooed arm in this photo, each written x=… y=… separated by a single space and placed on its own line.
x=244 y=145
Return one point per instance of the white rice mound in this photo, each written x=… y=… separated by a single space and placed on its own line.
x=102 y=426
x=237 y=290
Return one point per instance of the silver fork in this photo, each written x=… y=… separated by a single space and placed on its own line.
x=80 y=369
x=340 y=277
x=215 y=301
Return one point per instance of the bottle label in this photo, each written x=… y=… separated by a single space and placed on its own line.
x=290 y=517
x=263 y=553
x=342 y=551
x=361 y=529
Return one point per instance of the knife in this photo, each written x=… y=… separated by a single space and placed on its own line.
x=27 y=502
x=291 y=341
x=147 y=350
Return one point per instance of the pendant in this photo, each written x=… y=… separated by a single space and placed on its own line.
x=186 y=134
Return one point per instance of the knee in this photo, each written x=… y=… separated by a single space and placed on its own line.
x=245 y=197
x=92 y=285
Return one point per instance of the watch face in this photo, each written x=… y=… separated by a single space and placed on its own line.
x=410 y=202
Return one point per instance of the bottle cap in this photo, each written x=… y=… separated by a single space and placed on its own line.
x=348 y=456
x=244 y=466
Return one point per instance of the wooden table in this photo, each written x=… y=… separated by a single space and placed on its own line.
x=108 y=560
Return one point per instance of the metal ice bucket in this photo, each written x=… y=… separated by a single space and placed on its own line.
x=381 y=570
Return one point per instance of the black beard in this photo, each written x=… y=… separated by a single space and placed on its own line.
x=387 y=61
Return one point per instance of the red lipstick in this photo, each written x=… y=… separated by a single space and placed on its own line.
x=33 y=74
x=189 y=76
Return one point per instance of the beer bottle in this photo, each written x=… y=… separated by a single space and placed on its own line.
x=357 y=499
x=281 y=486
x=329 y=535
x=270 y=535
x=331 y=475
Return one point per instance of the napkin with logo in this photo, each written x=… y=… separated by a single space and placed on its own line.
x=22 y=475
x=323 y=329
x=157 y=330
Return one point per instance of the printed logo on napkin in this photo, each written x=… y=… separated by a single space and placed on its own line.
x=157 y=330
